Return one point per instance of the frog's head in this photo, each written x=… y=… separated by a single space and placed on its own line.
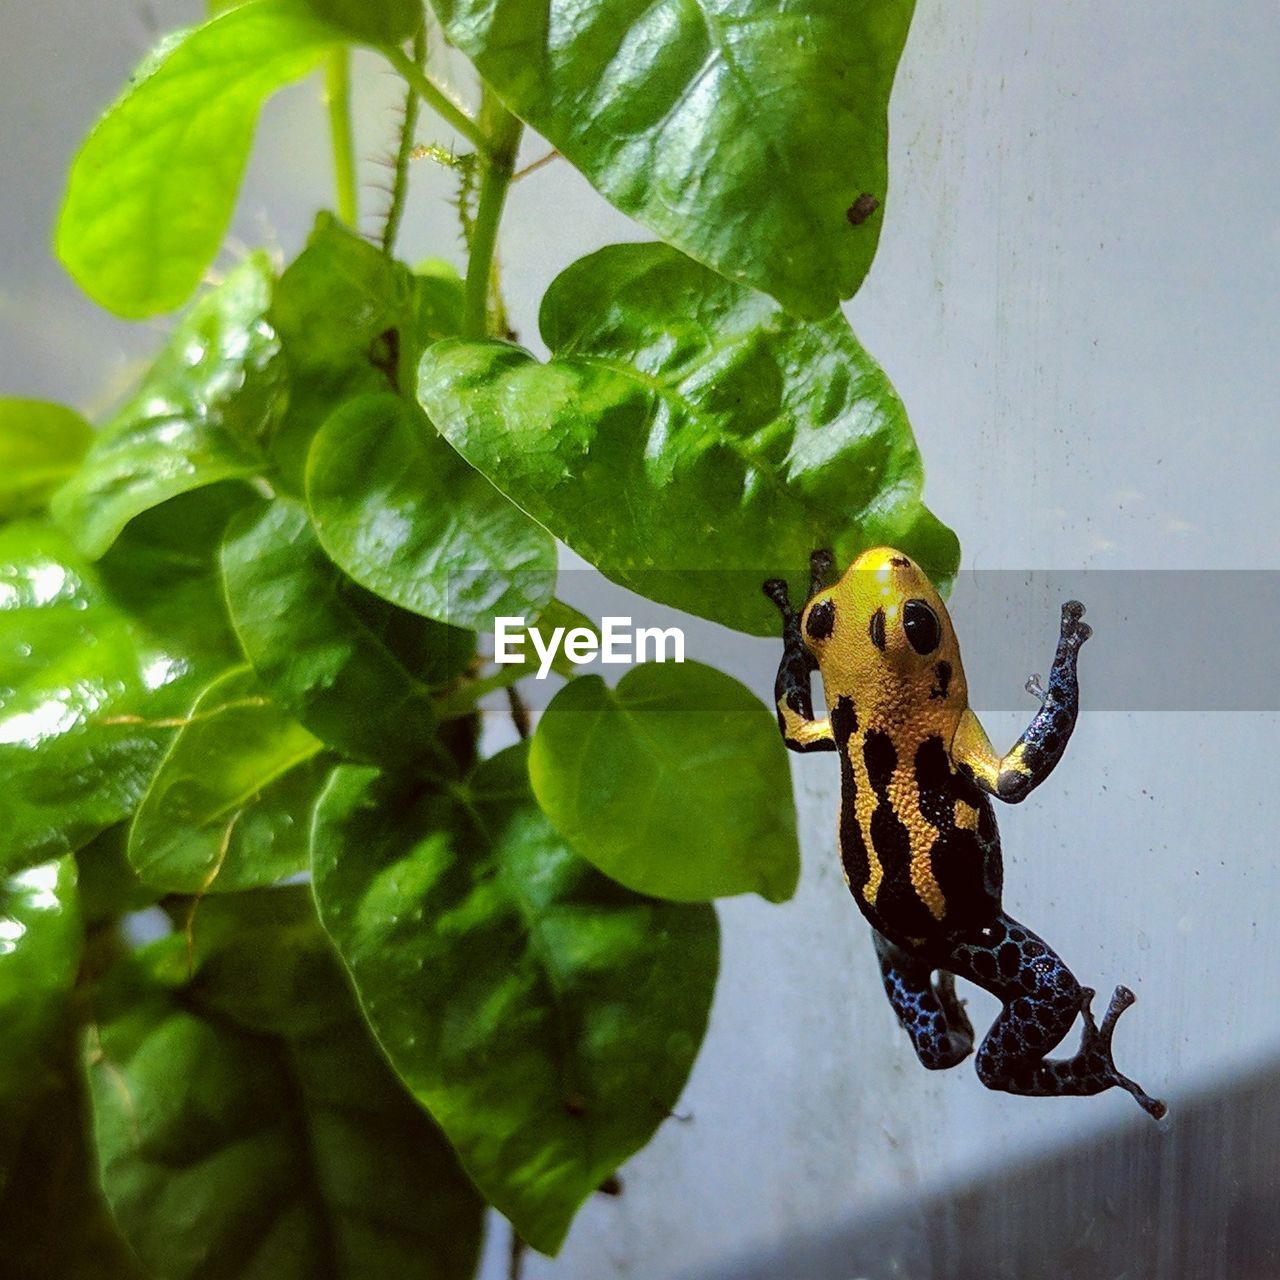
x=882 y=636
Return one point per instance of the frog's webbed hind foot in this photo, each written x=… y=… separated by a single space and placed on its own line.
x=1094 y=1057
x=1041 y=999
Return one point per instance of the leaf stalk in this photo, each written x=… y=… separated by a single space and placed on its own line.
x=342 y=136
x=435 y=97
x=504 y=132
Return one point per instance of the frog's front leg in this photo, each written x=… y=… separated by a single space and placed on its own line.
x=1041 y=998
x=929 y=1011
x=1029 y=762
x=792 y=692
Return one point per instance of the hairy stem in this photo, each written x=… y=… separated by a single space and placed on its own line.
x=504 y=141
x=435 y=97
x=338 y=96
x=400 y=184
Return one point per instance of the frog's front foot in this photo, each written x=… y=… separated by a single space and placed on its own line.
x=1095 y=1048
x=1074 y=629
x=776 y=590
x=820 y=563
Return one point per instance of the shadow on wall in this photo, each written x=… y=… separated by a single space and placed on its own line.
x=1197 y=1199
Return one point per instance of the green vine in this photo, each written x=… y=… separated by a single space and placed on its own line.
x=251 y=626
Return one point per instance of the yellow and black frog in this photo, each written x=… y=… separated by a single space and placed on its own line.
x=917 y=829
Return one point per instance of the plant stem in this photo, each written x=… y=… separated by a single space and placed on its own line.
x=338 y=95
x=504 y=140
x=400 y=184
x=435 y=97
x=463 y=701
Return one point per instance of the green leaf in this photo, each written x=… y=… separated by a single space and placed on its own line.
x=40 y=943
x=41 y=444
x=753 y=136
x=400 y=512
x=245 y=1124
x=151 y=191
x=688 y=437
x=109 y=886
x=93 y=660
x=440 y=301
x=230 y=805
x=195 y=420
x=547 y=1017
x=674 y=784
x=54 y=1220
x=354 y=669
x=371 y=21
x=351 y=321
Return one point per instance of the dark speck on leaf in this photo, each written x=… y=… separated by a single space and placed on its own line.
x=861 y=209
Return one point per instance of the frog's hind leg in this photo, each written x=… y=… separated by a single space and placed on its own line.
x=930 y=1011
x=1041 y=998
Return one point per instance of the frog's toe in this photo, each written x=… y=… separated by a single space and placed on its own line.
x=1073 y=628
x=1121 y=999
x=776 y=590
x=820 y=563
x=1099 y=1049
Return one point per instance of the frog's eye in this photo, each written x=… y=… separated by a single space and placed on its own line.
x=924 y=631
x=821 y=621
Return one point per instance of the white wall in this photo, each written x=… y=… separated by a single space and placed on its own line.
x=1076 y=295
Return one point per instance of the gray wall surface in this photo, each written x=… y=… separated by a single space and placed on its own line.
x=1077 y=296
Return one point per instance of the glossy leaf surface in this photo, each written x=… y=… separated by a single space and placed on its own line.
x=93 y=660
x=348 y=319
x=688 y=437
x=354 y=669
x=401 y=513
x=40 y=944
x=674 y=784
x=41 y=444
x=230 y=805
x=751 y=135
x=245 y=1124
x=547 y=1017
x=195 y=420
x=151 y=192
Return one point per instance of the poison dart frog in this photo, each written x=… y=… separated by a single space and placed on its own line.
x=917 y=828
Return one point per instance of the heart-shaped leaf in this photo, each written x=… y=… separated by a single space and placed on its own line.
x=41 y=444
x=546 y=1017
x=350 y=323
x=688 y=437
x=751 y=135
x=357 y=671
x=674 y=784
x=94 y=661
x=230 y=805
x=246 y=1125
x=151 y=192
x=195 y=420
x=400 y=512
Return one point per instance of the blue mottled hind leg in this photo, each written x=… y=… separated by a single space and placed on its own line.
x=1041 y=999
x=930 y=1011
